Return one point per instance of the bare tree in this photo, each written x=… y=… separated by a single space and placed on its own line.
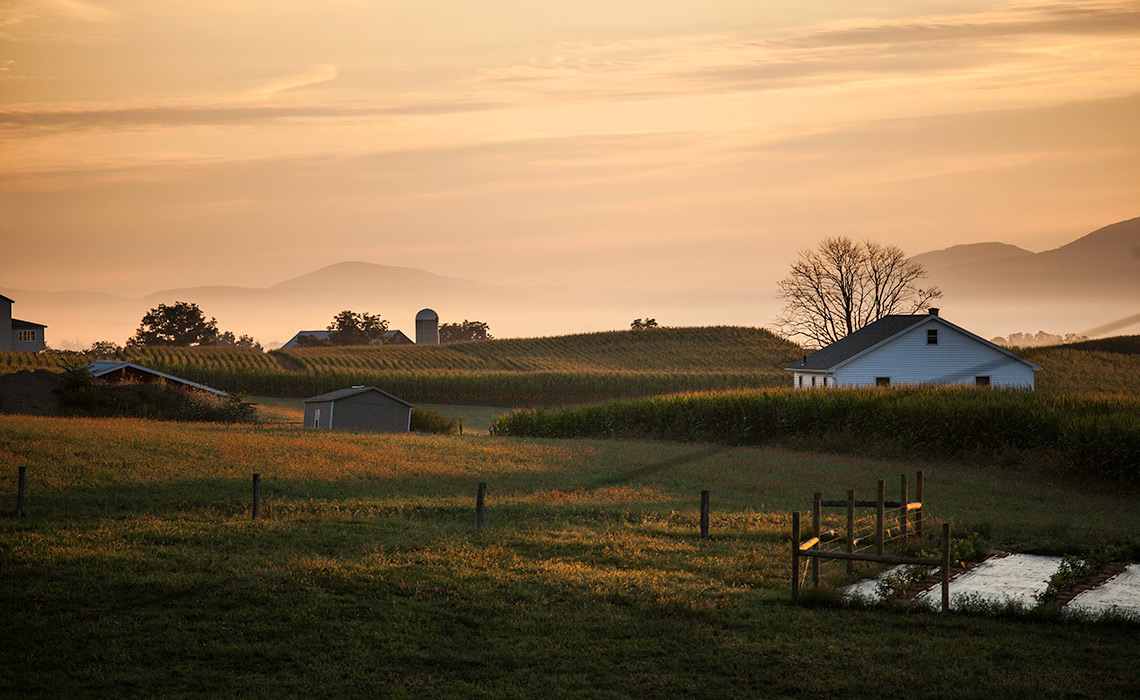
x=842 y=286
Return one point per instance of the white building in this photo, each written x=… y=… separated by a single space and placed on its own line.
x=922 y=349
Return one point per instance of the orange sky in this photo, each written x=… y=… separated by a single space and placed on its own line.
x=148 y=145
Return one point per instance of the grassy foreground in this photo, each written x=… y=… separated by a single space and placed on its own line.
x=138 y=571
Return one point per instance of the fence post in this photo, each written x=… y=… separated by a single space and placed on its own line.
x=850 y=529
x=704 y=515
x=945 y=567
x=796 y=557
x=904 y=516
x=815 y=517
x=21 y=486
x=879 y=517
x=480 y=505
x=256 y=495
x=918 y=497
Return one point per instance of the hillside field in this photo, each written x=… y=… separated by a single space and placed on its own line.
x=565 y=370
x=138 y=571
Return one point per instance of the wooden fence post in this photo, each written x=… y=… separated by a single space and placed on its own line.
x=816 y=508
x=879 y=517
x=796 y=557
x=945 y=567
x=256 y=495
x=918 y=497
x=704 y=515
x=850 y=530
x=480 y=505
x=21 y=486
x=904 y=514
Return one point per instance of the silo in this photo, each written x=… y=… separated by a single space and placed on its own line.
x=427 y=328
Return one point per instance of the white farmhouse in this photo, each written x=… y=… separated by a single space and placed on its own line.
x=922 y=349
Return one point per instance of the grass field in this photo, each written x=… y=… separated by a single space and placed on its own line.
x=138 y=571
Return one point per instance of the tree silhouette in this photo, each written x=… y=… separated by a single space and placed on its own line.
x=180 y=324
x=842 y=286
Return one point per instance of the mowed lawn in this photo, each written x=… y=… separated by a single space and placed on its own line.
x=137 y=571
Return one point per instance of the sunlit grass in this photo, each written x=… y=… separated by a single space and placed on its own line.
x=138 y=569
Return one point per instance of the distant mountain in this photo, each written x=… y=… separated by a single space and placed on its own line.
x=273 y=314
x=968 y=254
x=991 y=288
x=1092 y=282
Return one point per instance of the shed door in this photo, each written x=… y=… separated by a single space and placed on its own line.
x=316 y=418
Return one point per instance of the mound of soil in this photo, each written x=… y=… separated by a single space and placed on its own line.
x=33 y=393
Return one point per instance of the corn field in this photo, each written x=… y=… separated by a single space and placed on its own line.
x=1085 y=436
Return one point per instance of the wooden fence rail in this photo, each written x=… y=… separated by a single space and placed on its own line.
x=810 y=547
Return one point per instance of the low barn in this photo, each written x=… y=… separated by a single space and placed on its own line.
x=359 y=408
x=918 y=349
x=114 y=372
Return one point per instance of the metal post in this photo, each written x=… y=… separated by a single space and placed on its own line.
x=704 y=515
x=480 y=505
x=879 y=517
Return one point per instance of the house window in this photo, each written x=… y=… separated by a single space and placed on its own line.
x=882 y=381
x=801 y=378
x=932 y=336
x=982 y=381
x=813 y=381
x=27 y=336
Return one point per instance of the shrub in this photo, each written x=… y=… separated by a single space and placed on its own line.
x=430 y=421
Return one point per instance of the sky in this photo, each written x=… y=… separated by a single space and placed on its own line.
x=664 y=144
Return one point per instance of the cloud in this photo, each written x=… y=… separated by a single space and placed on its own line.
x=318 y=74
x=1007 y=38
x=48 y=121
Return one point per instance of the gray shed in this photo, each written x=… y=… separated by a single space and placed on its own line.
x=359 y=408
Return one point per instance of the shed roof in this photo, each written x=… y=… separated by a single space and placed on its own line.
x=353 y=391
x=17 y=324
x=100 y=368
x=878 y=333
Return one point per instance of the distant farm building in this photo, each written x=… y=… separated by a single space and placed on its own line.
x=359 y=408
x=113 y=372
x=918 y=349
x=390 y=338
x=17 y=335
x=427 y=327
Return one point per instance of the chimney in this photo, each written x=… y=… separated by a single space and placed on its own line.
x=933 y=311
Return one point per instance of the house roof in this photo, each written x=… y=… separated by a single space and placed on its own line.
x=17 y=324
x=10 y=301
x=324 y=335
x=353 y=391
x=873 y=335
x=100 y=368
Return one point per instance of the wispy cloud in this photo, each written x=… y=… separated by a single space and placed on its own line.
x=318 y=74
x=46 y=121
x=837 y=52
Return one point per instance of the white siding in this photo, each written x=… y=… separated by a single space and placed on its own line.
x=956 y=359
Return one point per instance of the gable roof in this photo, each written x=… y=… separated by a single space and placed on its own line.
x=353 y=391
x=17 y=324
x=101 y=368
x=324 y=335
x=873 y=335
